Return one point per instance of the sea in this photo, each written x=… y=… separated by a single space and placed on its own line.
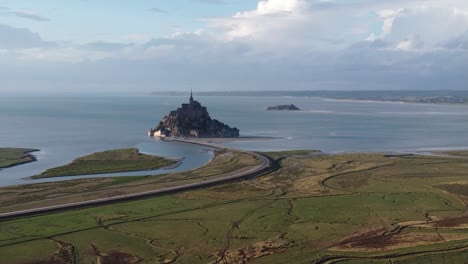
x=64 y=127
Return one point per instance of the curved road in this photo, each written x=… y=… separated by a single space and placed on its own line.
x=265 y=166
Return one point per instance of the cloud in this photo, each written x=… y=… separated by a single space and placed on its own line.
x=432 y=25
x=275 y=24
x=137 y=37
x=61 y=54
x=413 y=42
x=459 y=42
x=24 y=13
x=388 y=16
x=167 y=67
x=105 y=46
x=204 y=63
x=279 y=44
x=283 y=26
x=18 y=38
x=30 y=14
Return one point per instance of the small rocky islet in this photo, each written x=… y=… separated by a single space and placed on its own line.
x=290 y=107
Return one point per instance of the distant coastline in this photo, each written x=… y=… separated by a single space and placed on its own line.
x=442 y=97
x=393 y=101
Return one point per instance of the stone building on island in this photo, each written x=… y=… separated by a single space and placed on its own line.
x=192 y=120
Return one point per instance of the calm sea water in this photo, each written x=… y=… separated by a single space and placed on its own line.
x=66 y=127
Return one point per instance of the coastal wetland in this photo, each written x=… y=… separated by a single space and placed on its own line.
x=315 y=208
x=10 y=157
x=120 y=160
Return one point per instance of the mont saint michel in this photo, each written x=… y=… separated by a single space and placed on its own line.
x=192 y=120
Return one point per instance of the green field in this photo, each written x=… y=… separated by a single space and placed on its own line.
x=120 y=160
x=21 y=197
x=10 y=157
x=347 y=208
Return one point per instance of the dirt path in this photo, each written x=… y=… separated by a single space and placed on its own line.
x=66 y=253
x=324 y=181
x=291 y=209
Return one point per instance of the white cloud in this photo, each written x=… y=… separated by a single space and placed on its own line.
x=279 y=26
x=281 y=44
x=411 y=43
x=432 y=25
x=267 y=7
x=388 y=16
x=285 y=26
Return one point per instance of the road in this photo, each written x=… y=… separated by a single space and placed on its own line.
x=265 y=166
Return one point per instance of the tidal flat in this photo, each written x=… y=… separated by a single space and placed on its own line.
x=347 y=208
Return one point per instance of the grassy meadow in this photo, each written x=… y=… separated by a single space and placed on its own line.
x=27 y=196
x=10 y=157
x=346 y=208
x=120 y=160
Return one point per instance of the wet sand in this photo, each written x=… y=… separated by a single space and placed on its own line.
x=216 y=140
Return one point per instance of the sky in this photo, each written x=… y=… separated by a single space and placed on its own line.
x=224 y=45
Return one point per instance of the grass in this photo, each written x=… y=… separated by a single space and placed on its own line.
x=289 y=153
x=457 y=188
x=46 y=194
x=27 y=252
x=10 y=157
x=121 y=160
x=348 y=208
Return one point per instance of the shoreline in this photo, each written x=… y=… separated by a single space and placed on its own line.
x=207 y=142
x=265 y=165
x=201 y=141
x=217 y=143
x=28 y=154
x=391 y=101
x=177 y=162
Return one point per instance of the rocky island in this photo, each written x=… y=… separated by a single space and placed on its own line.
x=290 y=107
x=192 y=120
